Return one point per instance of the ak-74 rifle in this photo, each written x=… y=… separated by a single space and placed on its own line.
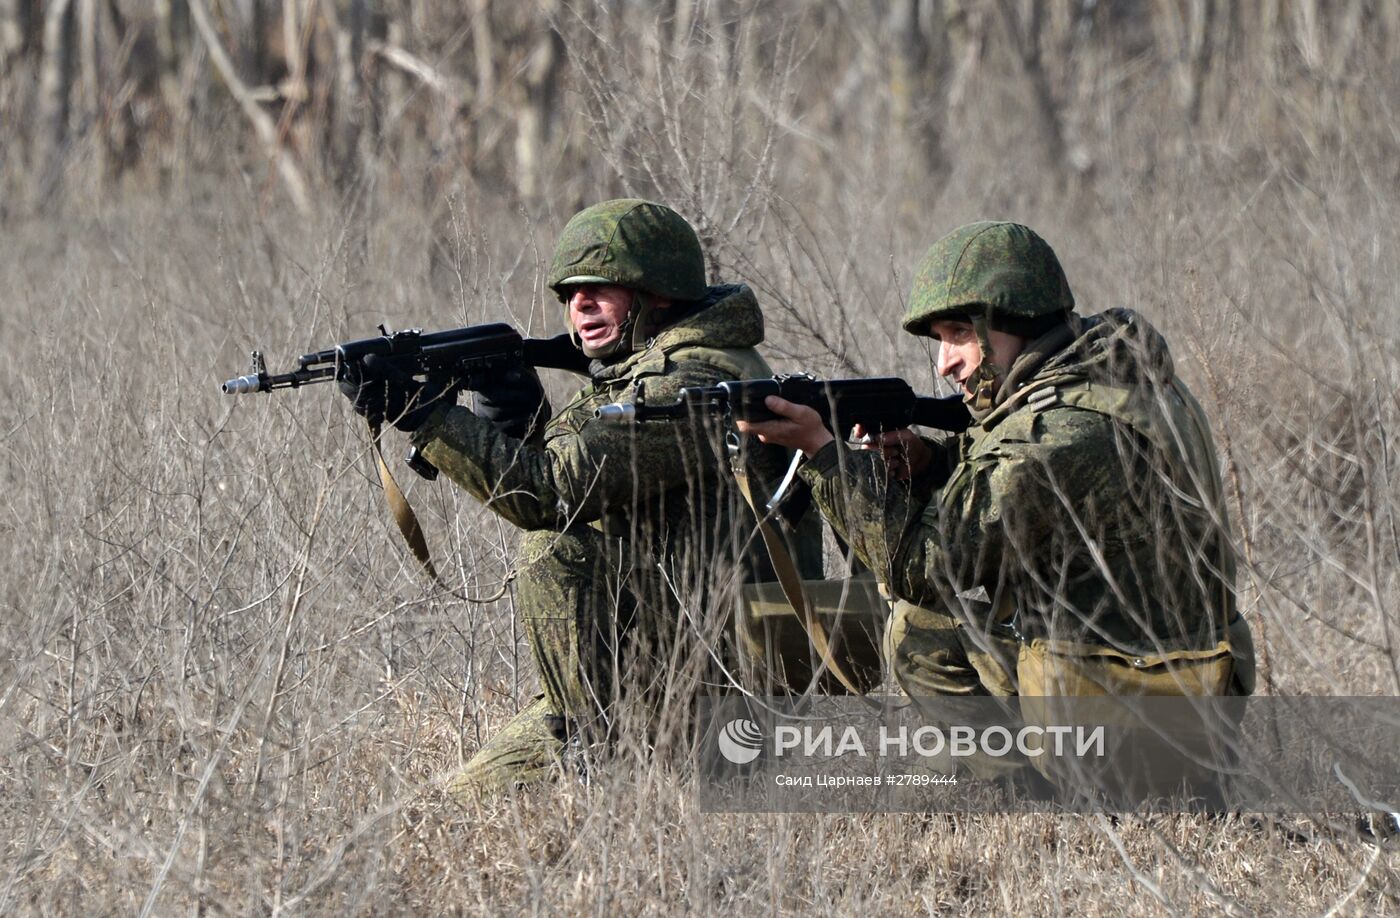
x=876 y=403
x=455 y=360
x=879 y=403
x=458 y=359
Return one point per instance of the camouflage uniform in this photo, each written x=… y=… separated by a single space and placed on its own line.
x=1076 y=540
x=607 y=509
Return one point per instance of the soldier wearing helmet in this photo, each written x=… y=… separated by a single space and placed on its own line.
x=1074 y=540
x=609 y=514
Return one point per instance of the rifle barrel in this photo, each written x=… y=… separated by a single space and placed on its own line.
x=264 y=382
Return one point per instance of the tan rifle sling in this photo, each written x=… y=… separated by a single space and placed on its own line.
x=791 y=582
x=399 y=508
x=412 y=532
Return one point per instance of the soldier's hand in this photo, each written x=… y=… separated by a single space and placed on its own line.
x=515 y=403
x=797 y=427
x=906 y=454
x=366 y=390
x=381 y=392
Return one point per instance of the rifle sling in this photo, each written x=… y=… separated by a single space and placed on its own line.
x=412 y=532
x=791 y=582
x=403 y=514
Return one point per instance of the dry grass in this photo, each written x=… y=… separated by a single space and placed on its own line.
x=223 y=686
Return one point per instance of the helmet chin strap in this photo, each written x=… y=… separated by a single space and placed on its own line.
x=984 y=378
x=637 y=330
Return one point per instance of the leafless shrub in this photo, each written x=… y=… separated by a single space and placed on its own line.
x=224 y=686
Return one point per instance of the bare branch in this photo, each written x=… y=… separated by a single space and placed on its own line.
x=261 y=121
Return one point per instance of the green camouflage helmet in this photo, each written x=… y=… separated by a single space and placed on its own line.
x=1001 y=272
x=633 y=243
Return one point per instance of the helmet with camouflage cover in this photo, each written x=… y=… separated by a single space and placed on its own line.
x=994 y=275
x=1003 y=272
x=637 y=244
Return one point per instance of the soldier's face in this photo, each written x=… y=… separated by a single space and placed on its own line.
x=597 y=312
x=959 y=355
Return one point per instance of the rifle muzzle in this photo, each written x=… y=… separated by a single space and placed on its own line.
x=617 y=413
x=242 y=384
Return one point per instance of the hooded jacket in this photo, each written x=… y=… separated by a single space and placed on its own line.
x=1085 y=505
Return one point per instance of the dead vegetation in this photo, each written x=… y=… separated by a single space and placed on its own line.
x=224 y=687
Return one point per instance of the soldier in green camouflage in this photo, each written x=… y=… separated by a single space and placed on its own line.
x=1074 y=540
x=616 y=519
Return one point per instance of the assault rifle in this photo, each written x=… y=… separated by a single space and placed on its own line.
x=457 y=359
x=877 y=403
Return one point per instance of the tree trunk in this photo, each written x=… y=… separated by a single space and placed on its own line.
x=682 y=21
x=393 y=97
x=917 y=71
x=90 y=114
x=1188 y=44
x=483 y=49
x=1025 y=40
x=347 y=110
x=293 y=88
x=55 y=92
x=1200 y=46
x=262 y=124
x=167 y=53
x=11 y=33
x=966 y=30
x=537 y=112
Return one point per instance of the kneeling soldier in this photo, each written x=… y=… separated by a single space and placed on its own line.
x=1074 y=541
x=611 y=513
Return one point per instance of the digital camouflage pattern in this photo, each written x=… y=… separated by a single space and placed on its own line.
x=1084 y=512
x=932 y=653
x=530 y=747
x=633 y=243
x=989 y=270
x=607 y=508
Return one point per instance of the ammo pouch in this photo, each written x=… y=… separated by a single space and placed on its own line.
x=1154 y=748
x=776 y=654
x=1046 y=667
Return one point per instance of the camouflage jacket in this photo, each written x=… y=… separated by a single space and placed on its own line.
x=665 y=482
x=1085 y=505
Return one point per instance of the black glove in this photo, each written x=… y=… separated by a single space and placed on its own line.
x=380 y=391
x=514 y=403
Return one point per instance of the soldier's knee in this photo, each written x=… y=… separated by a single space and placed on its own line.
x=557 y=570
x=526 y=750
x=914 y=632
x=895 y=643
x=926 y=653
x=543 y=552
x=910 y=640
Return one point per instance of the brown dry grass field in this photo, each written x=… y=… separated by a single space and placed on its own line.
x=224 y=686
